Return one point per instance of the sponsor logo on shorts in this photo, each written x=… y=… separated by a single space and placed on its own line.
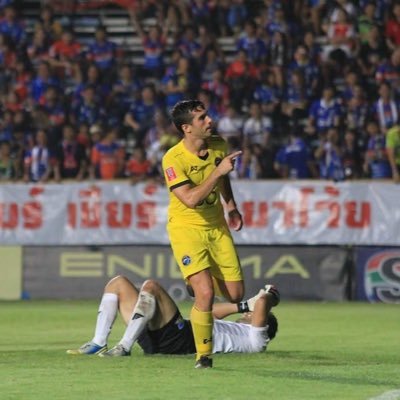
x=171 y=175
x=382 y=277
x=205 y=341
x=186 y=260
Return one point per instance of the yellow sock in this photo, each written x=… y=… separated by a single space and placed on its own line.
x=202 y=325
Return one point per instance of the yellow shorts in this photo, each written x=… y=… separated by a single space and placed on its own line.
x=196 y=249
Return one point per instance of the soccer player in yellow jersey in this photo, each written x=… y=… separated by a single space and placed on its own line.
x=196 y=172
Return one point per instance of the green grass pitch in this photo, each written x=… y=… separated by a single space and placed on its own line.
x=322 y=351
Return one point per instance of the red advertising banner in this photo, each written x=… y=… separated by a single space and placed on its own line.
x=313 y=212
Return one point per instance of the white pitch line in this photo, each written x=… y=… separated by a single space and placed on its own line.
x=391 y=395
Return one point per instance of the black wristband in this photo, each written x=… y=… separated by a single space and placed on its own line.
x=243 y=307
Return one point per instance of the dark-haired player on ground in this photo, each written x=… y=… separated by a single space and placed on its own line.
x=155 y=322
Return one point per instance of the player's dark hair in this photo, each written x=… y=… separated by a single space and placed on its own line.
x=182 y=112
x=272 y=322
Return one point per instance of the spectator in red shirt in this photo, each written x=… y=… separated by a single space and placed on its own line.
x=138 y=167
x=107 y=157
x=241 y=75
x=21 y=79
x=340 y=34
x=63 y=52
x=8 y=56
x=392 y=28
x=12 y=102
x=219 y=88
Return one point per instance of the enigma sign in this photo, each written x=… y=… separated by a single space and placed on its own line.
x=162 y=265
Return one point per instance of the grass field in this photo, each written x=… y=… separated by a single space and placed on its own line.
x=322 y=351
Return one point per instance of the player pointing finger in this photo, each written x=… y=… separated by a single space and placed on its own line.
x=228 y=163
x=196 y=172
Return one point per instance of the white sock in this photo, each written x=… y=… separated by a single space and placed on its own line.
x=142 y=314
x=105 y=318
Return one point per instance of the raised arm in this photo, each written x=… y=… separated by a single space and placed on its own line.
x=193 y=195
x=136 y=23
x=259 y=305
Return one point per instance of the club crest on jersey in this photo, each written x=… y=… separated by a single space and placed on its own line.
x=186 y=260
x=218 y=161
x=180 y=323
x=171 y=175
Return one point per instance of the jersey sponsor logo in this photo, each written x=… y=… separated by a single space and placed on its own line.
x=186 y=260
x=171 y=175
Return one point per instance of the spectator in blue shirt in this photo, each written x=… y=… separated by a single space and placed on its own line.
x=94 y=77
x=295 y=160
x=189 y=45
x=325 y=112
x=329 y=157
x=376 y=164
x=386 y=108
x=154 y=43
x=179 y=83
x=11 y=26
x=103 y=53
x=295 y=102
x=267 y=93
x=88 y=109
x=302 y=62
x=39 y=161
x=140 y=116
x=125 y=90
x=251 y=43
x=42 y=81
x=236 y=15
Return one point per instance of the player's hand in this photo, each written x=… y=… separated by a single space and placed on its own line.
x=235 y=219
x=271 y=289
x=228 y=163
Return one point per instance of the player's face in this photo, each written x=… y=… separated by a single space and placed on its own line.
x=201 y=124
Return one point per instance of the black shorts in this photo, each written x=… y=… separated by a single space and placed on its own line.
x=176 y=337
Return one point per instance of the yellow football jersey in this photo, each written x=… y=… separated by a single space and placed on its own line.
x=180 y=167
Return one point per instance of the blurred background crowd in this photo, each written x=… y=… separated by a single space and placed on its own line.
x=310 y=90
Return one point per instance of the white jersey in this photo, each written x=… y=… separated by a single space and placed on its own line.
x=235 y=337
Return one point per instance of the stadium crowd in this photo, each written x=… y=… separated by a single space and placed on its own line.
x=312 y=89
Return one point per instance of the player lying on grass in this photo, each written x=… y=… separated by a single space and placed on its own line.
x=155 y=322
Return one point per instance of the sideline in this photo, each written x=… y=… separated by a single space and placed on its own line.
x=391 y=395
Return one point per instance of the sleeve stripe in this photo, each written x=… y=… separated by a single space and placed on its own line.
x=171 y=188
